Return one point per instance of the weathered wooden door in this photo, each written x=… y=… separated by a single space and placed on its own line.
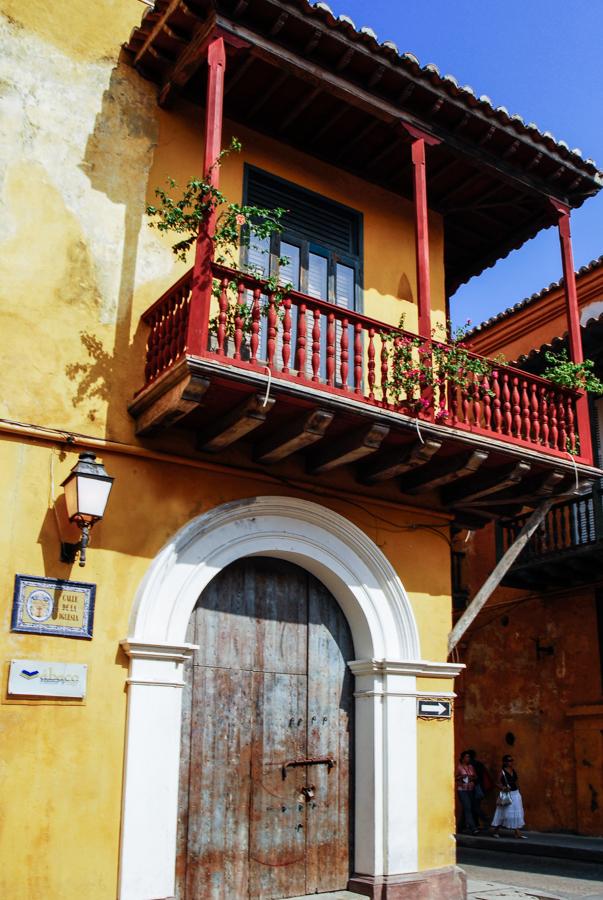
x=265 y=775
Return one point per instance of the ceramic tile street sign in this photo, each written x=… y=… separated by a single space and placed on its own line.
x=434 y=708
x=52 y=606
x=40 y=678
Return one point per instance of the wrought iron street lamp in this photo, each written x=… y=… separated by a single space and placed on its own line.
x=87 y=489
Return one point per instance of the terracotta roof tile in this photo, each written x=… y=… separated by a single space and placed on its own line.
x=528 y=301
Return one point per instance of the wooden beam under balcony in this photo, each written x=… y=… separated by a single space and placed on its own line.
x=235 y=424
x=491 y=482
x=294 y=437
x=437 y=474
x=164 y=404
x=348 y=449
x=395 y=462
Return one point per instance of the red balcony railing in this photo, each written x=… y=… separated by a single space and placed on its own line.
x=333 y=349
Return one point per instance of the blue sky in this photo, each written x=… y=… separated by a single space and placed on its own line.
x=542 y=59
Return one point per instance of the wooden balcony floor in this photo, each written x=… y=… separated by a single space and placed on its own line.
x=297 y=432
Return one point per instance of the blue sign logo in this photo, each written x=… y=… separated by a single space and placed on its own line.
x=25 y=674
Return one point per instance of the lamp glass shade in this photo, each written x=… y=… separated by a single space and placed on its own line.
x=86 y=492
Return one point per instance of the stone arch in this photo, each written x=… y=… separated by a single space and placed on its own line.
x=386 y=643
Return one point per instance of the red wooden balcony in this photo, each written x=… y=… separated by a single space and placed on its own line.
x=335 y=363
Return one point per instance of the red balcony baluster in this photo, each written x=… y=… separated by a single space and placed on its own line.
x=516 y=407
x=453 y=403
x=345 y=339
x=384 y=368
x=271 y=343
x=465 y=404
x=331 y=349
x=286 y=334
x=544 y=414
x=571 y=425
x=553 y=420
x=357 y=358
x=525 y=410
x=239 y=320
x=371 y=364
x=561 y=419
x=222 y=315
x=316 y=346
x=496 y=403
x=506 y=405
x=534 y=414
x=487 y=403
x=256 y=313
x=300 y=354
x=477 y=402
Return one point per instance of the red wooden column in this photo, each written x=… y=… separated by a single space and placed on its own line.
x=198 y=319
x=420 y=140
x=573 y=322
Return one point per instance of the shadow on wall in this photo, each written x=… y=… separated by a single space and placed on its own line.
x=117 y=161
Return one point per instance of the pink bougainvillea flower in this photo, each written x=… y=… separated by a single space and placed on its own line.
x=240 y=218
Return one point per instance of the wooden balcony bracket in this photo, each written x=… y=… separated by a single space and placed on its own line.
x=235 y=424
x=498 y=573
x=478 y=488
x=164 y=404
x=390 y=465
x=294 y=437
x=437 y=475
x=348 y=449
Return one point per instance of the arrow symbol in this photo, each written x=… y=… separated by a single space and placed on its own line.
x=437 y=708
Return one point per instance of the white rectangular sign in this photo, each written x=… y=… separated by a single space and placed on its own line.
x=39 y=678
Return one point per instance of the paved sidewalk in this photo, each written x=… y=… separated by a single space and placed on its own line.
x=494 y=890
x=559 y=846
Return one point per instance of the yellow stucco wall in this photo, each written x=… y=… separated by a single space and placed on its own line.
x=86 y=145
x=68 y=757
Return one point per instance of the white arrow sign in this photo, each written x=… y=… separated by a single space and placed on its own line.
x=437 y=709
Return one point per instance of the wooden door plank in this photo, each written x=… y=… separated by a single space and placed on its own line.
x=252 y=618
x=330 y=735
x=277 y=842
x=219 y=789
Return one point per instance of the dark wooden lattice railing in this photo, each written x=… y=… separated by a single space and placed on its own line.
x=330 y=348
x=569 y=525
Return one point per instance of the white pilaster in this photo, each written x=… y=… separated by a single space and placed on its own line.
x=150 y=799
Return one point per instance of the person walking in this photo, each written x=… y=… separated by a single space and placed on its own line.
x=483 y=784
x=466 y=779
x=509 y=806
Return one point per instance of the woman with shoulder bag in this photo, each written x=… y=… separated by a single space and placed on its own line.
x=509 y=805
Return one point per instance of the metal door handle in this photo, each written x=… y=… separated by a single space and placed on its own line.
x=313 y=761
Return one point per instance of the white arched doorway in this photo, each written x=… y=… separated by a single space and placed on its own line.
x=385 y=636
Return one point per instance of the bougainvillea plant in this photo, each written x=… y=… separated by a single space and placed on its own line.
x=579 y=376
x=422 y=370
x=237 y=225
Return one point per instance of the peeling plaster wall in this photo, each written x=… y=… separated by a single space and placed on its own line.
x=78 y=141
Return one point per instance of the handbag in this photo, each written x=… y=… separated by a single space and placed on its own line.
x=504 y=796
